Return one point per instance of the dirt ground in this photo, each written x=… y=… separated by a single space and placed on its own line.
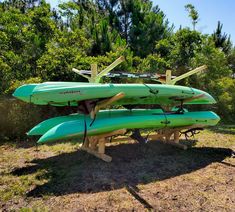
x=155 y=176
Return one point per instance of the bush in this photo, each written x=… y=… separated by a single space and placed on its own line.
x=223 y=91
x=18 y=117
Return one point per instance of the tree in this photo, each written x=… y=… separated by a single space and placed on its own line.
x=24 y=34
x=22 y=5
x=148 y=27
x=222 y=41
x=153 y=63
x=193 y=14
x=138 y=22
x=61 y=52
x=231 y=61
x=84 y=15
x=216 y=61
x=179 y=49
x=223 y=90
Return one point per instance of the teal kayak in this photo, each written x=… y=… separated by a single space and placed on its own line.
x=76 y=128
x=71 y=93
x=46 y=125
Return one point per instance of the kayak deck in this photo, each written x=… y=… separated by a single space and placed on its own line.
x=71 y=93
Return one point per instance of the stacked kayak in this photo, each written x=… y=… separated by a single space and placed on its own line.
x=71 y=93
x=76 y=125
x=72 y=126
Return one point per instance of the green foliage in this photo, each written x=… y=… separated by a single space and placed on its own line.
x=224 y=91
x=179 y=49
x=153 y=63
x=222 y=41
x=25 y=30
x=216 y=61
x=17 y=83
x=193 y=14
x=231 y=61
x=57 y=61
x=39 y=44
x=17 y=118
x=148 y=27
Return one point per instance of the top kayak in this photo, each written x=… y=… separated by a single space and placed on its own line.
x=71 y=93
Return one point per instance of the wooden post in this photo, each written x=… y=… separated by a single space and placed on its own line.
x=167 y=136
x=94 y=72
x=101 y=147
x=163 y=136
x=176 y=136
x=86 y=143
x=168 y=77
x=95 y=145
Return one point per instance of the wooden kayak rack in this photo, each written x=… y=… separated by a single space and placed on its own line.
x=95 y=145
x=95 y=75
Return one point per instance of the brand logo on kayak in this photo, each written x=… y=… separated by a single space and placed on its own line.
x=71 y=92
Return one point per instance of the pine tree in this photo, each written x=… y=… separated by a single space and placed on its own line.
x=222 y=40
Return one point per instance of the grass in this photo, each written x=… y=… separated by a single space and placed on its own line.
x=161 y=177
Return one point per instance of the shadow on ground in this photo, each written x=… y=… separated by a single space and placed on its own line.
x=224 y=129
x=132 y=164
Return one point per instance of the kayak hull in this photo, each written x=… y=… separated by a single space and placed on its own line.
x=46 y=125
x=76 y=128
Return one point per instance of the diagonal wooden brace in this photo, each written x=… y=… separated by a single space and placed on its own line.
x=105 y=103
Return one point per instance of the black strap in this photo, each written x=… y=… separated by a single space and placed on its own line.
x=166 y=122
x=93 y=120
x=85 y=130
x=181 y=109
x=153 y=91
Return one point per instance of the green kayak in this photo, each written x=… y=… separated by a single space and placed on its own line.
x=71 y=93
x=76 y=128
x=46 y=125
